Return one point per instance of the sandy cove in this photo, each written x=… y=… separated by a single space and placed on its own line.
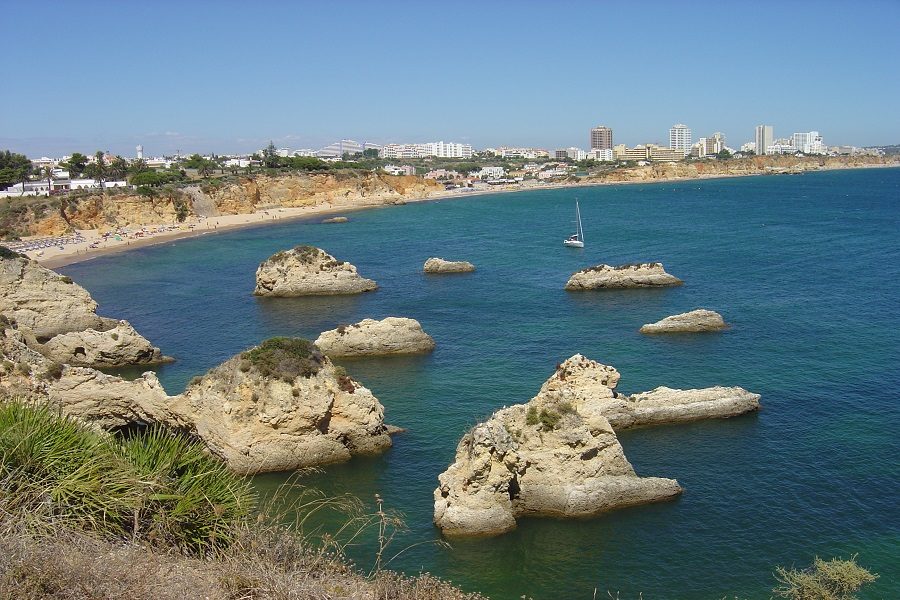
x=55 y=257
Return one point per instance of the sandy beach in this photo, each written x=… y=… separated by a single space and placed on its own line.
x=95 y=244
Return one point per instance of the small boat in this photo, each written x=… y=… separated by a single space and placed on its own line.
x=577 y=240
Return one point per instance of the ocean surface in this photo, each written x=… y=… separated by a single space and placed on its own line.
x=805 y=268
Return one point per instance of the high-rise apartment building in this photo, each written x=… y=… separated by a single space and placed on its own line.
x=680 y=138
x=765 y=136
x=601 y=138
x=809 y=142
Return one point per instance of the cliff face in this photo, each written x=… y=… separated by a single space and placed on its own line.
x=248 y=194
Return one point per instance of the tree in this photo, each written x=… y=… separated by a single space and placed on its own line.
x=370 y=153
x=832 y=580
x=118 y=168
x=76 y=164
x=205 y=168
x=270 y=156
x=97 y=169
x=14 y=168
x=48 y=173
x=137 y=166
x=723 y=155
x=194 y=161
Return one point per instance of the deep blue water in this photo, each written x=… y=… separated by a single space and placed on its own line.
x=806 y=269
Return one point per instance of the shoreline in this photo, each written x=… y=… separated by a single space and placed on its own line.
x=81 y=252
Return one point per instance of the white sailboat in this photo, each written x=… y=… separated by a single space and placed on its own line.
x=577 y=240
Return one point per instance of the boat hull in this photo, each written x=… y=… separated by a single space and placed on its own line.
x=573 y=243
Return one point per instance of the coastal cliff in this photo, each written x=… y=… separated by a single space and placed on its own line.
x=235 y=195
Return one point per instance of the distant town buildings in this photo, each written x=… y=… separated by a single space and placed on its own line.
x=442 y=174
x=402 y=170
x=601 y=138
x=765 y=136
x=529 y=153
x=680 y=138
x=437 y=149
x=808 y=143
x=709 y=146
x=648 y=152
x=340 y=148
x=490 y=173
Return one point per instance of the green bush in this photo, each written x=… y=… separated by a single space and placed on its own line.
x=531 y=416
x=285 y=358
x=153 y=486
x=550 y=419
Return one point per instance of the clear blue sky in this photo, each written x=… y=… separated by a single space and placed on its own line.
x=229 y=76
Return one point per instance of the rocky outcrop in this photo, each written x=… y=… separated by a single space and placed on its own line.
x=559 y=455
x=335 y=220
x=58 y=318
x=439 y=265
x=590 y=387
x=690 y=322
x=641 y=275
x=393 y=335
x=279 y=406
x=119 y=346
x=282 y=406
x=539 y=458
x=308 y=271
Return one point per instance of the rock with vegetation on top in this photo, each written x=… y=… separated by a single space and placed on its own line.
x=393 y=335
x=282 y=406
x=689 y=322
x=559 y=455
x=58 y=318
x=642 y=275
x=439 y=265
x=308 y=271
x=335 y=220
x=539 y=458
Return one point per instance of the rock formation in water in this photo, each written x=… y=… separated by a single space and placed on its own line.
x=58 y=318
x=439 y=265
x=559 y=455
x=282 y=406
x=641 y=275
x=393 y=335
x=308 y=271
x=689 y=322
x=335 y=220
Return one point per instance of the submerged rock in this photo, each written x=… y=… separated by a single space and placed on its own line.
x=439 y=265
x=689 y=322
x=393 y=335
x=308 y=271
x=335 y=220
x=58 y=318
x=622 y=277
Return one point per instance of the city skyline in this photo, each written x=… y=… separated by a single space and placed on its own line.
x=188 y=84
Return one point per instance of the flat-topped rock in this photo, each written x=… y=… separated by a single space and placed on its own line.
x=641 y=275
x=393 y=335
x=439 y=265
x=58 y=318
x=335 y=220
x=282 y=406
x=539 y=458
x=590 y=386
x=308 y=271
x=699 y=320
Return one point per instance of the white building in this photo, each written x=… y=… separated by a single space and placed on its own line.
x=552 y=173
x=809 y=142
x=765 y=136
x=491 y=173
x=402 y=170
x=680 y=138
x=748 y=147
x=781 y=146
x=601 y=154
x=340 y=148
x=439 y=149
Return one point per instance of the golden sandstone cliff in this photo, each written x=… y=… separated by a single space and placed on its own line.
x=246 y=195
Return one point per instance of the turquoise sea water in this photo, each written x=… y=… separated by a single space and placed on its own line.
x=806 y=269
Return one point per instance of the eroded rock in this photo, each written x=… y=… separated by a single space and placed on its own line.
x=393 y=335
x=690 y=322
x=439 y=265
x=640 y=275
x=308 y=271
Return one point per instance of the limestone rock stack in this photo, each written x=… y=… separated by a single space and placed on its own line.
x=308 y=271
x=393 y=335
x=689 y=322
x=282 y=406
x=439 y=265
x=559 y=455
x=643 y=275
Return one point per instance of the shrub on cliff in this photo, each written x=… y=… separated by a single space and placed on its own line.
x=835 y=579
x=6 y=253
x=153 y=486
x=285 y=358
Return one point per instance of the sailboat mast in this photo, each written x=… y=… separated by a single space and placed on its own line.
x=578 y=217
